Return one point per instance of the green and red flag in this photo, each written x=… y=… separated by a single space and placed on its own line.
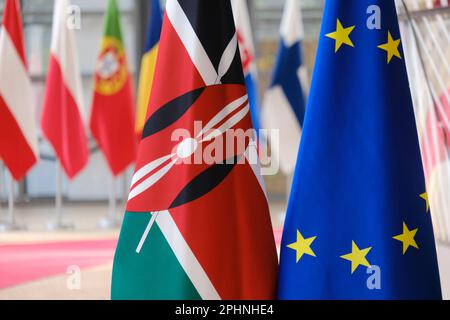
x=112 y=117
x=196 y=229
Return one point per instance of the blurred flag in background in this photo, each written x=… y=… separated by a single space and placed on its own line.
x=18 y=136
x=148 y=64
x=426 y=44
x=284 y=101
x=112 y=118
x=359 y=198
x=196 y=229
x=63 y=111
x=248 y=57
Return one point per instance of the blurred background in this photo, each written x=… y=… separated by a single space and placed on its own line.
x=38 y=186
x=34 y=263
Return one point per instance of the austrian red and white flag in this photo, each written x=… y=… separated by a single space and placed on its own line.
x=18 y=139
x=63 y=111
x=197 y=224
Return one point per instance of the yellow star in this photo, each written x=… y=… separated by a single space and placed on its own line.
x=407 y=238
x=357 y=257
x=302 y=246
x=391 y=47
x=424 y=196
x=341 y=36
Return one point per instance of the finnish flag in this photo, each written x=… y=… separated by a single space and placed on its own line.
x=285 y=100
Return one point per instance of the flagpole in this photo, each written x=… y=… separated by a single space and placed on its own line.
x=431 y=34
x=442 y=26
x=12 y=219
x=111 y=221
x=289 y=180
x=441 y=222
x=434 y=68
x=10 y=224
x=437 y=44
x=425 y=101
x=282 y=214
x=58 y=223
x=112 y=199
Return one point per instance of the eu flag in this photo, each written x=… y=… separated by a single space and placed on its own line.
x=358 y=224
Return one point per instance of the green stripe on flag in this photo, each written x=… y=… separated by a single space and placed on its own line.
x=112 y=22
x=154 y=273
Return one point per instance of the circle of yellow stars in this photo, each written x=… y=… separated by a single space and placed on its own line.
x=341 y=36
x=358 y=257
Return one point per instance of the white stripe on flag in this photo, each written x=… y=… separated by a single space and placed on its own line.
x=16 y=89
x=243 y=25
x=186 y=257
x=244 y=28
x=227 y=58
x=144 y=237
x=279 y=115
x=191 y=42
x=64 y=51
x=292 y=23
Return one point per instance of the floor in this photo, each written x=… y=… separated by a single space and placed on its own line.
x=92 y=281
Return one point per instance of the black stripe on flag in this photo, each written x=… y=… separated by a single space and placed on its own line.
x=170 y=112
x=205 y=182
x=212 y=21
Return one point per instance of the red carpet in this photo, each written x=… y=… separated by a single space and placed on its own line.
x=22 y=263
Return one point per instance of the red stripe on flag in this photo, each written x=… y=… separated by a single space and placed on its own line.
x=14 y=148
x=112 y=125
x=62 y=123
x=12 y=22
x=230 y=235
x=173 y=63
x=161 y=195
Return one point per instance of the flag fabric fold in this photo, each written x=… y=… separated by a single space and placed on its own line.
x=284 y=101
x=112 y=117
x=63 y=110
x=196 y=229
x=148 y=63
x=18 y=136
x=358 y=224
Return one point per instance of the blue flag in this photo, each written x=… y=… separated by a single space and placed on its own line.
x=285 y=99
x=358 y=224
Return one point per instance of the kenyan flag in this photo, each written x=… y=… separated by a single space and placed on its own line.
x=195 y=229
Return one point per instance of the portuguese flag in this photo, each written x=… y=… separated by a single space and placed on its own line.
x=196 y=229
x=112 y=117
